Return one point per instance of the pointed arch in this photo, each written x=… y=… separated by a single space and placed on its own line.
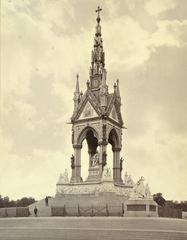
x=84 y=134
x=113 y=138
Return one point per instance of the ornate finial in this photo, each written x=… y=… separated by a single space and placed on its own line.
x=77 y=76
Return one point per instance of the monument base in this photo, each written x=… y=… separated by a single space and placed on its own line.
x=103 y=196
x=140 y=208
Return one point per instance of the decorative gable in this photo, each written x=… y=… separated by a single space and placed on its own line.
x=88 y=112
x=113 y=114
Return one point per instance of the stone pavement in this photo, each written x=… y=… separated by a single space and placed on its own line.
x=96 y=228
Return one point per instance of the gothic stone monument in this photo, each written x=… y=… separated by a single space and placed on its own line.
x=97 y=118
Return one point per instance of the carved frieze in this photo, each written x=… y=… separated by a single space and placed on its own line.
x=105 y=186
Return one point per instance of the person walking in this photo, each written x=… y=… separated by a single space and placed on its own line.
x=36 y=211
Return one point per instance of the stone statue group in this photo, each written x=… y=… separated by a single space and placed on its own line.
x=95 y=159
x=140 y=190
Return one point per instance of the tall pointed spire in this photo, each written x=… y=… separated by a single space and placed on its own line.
x=98 y=56
x=76 y=94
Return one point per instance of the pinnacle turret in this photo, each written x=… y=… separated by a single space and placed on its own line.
x=118 y=92
x=77 y=85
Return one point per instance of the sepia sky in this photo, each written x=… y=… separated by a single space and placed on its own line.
x=45 y=43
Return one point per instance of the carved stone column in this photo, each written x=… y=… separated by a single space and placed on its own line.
x=76 y=172
x=102 y=155
x=116 y=165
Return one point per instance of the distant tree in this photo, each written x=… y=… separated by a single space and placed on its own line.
x=23 y=202
x=183 y=205
x=1 y=201
x=158 y=198
x=177 y=205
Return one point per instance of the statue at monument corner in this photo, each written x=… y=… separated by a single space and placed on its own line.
x=147 y=192
x=63 y=177
x=140 y=181
x=128 y=180
x=138 y=191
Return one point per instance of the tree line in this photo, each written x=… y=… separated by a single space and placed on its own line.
x=161 y=201
x=23 y=202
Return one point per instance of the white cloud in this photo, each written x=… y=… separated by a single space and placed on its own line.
x=126 y=43
x=113 y=8
x=155 y=7
x=33 y=175
x=159 y=158
x=169 y=33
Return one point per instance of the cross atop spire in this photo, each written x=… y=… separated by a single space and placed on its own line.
x=98 y=10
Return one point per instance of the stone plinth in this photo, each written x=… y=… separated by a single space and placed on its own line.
x=140 y=208
x=94 y=174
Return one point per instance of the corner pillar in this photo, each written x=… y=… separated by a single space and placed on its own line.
x=116 y=165
x=76 y=169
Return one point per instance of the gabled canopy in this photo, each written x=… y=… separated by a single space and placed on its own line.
x=89 y=107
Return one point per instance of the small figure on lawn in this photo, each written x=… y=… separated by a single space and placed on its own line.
x=36 y=211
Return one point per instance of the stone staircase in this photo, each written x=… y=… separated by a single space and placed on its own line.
x=43 y=210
